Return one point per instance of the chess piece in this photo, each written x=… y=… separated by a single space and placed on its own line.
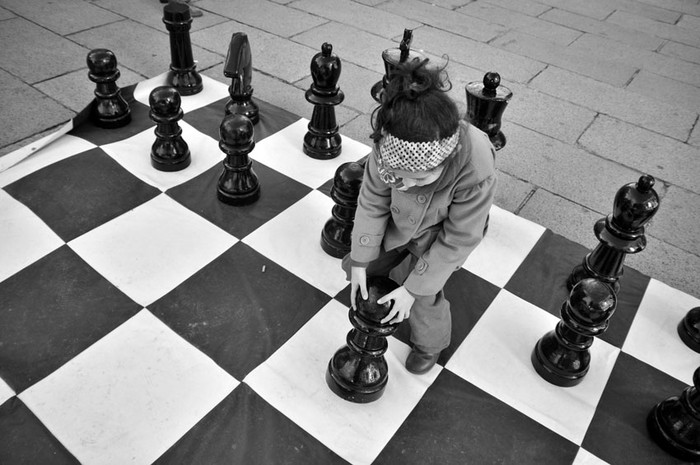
x=358 y=371
x=183 y=73
x=322 y=140
x=689 y=329
x=562 y=356
x=238 y=184
x=239 y=67
x=109 y=109
x=486 y=102
x=391 y=58
x=620 y=233
x=336 y=234
x=169 y=152
x=675 y=423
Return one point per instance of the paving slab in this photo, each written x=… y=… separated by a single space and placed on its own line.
x=664 y=30
x=666 y=90
x=373 y=20
x=511 y=192
x=689 y=22
x=34 y=54
x=566 y=57
x=444 y=18
x=646 y=10
x=582 y=23
x=150 y=13
x=351 y=44
x=528 y=7
x=597 y=9
x=62 y=17
x=271 y=54
x=511 y=66
x=623 y=104
x=272 y=17
x=562 y=216
x=6 y=14
x=521 y=22
x=26 y=111
x=126 y=40
x=691 y=7
x=678 y=219
x=662 y=157
x=682 y=51
x=571 y=172
x=694 y=138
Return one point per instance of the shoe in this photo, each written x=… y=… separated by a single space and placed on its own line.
x=419 y=362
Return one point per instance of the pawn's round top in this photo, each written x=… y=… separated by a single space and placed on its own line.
x=349 y=176
x=377 y=287
x=236 y=129
x=489 y=88
x=176 y=12
x=592 y=301
x=101 y=61
x=165 y=101
x=645 y=183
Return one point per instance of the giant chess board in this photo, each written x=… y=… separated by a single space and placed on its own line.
x=143 y=321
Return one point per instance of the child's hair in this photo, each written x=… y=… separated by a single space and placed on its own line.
x=415 y=106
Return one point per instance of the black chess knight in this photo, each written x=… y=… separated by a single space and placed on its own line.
x=109 y=109
x=239 y=67
x=183 y=73
x=238 y=184
x=391 y=58
x=169 y=151
x=620 y=233
x=322 y=140
x=358 y=371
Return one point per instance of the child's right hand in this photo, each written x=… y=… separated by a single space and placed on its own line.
x=358 y=279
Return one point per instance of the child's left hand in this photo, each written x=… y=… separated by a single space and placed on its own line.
x=403 y=301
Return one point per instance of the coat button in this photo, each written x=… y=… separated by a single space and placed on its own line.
x=411 y=220
x=364 y=240
x=420 y=266
x=395 y=209
x=421 y=198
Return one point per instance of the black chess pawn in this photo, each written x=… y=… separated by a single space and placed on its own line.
x=183 y=73
x=109 y=109
x=336 y=233
x=239 y=67
x=486 y=102
x=322 y=140
x=689 y=329
x=562 y=356
x=358 y=371
x=391 y=58
x=169 y=152
x=675 y=423
x=238 y=184
x=620 y=233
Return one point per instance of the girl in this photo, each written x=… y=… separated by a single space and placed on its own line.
x=427 y=190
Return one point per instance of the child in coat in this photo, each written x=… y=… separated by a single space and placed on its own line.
x=427 y=190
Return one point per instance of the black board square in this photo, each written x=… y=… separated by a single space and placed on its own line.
x=80 y=193
x=277 y=193
x=239 y=309
x=208 y=119
x=239 y=429
x=456 y=422
x=53 y=310
x=25 y=440
x=618 y=433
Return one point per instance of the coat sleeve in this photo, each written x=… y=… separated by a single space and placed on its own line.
x=372 y=215
x=461 y=232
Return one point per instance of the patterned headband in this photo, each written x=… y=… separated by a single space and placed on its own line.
x=415 y=157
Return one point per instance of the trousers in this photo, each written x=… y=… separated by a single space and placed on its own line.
x=430 y=319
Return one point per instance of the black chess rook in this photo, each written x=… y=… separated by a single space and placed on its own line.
x=169 y=152
x=562 y=356
x=183 y=73
x=675 y=423
x=337 y=232
x=391 y=58
x=486 y=102
x=620 y=233
x=689 y=329
x=322 y=140
x=358 y=371
x=238 y=184
x=239 y=67
x=109 y=109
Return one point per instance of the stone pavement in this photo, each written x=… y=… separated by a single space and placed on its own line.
x=604 y=90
